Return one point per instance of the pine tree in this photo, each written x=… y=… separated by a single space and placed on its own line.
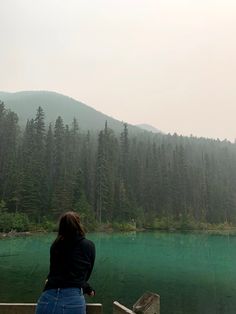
x=8 y=154
x=30 y=201
x=105 y=175
x=59 y=198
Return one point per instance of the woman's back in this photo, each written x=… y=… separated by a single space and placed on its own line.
x=71 y=263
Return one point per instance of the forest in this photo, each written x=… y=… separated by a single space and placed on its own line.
x=150 y=180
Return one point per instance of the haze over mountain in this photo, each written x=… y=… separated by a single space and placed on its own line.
x=25 y=104
x=148 y=127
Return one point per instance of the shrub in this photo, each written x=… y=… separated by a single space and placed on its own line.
x=164 y=223
x=13 y=221
x=20 y=222
x=123 y=226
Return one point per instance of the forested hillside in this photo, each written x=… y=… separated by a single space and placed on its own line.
x=25 y=104
x=148 y=178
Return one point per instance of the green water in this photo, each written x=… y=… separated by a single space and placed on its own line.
x=193 y=273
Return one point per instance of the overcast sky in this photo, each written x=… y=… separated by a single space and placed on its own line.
x=168 y=63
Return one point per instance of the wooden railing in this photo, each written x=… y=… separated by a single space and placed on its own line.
x=29 y=308
x=149 y=303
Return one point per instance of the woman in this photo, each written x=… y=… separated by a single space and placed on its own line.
x=71 y=263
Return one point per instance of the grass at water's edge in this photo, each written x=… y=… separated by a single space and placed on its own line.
x=214 y=229
x=218 y=229
x=17 y=223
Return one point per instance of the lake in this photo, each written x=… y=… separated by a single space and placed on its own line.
x=194 y=273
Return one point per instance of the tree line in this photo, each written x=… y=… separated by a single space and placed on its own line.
x=110 y=177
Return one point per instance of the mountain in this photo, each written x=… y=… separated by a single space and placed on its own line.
x=25 y=104
x=148 y=127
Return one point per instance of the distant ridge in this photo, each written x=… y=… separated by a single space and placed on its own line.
x=148 y=127
x=25 y=104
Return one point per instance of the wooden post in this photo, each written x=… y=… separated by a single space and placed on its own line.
x=149 y=303
x=29 y=308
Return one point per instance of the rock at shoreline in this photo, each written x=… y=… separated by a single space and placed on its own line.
x=13 y=233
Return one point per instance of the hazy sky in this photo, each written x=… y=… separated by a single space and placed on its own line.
x=169 y=63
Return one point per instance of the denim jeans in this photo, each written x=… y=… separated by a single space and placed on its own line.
x=61 y=301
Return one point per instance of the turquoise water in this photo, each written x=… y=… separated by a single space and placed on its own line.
x=193 y=273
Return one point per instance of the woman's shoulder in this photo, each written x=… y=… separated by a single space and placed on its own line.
x=86 y=246
x=82 y=240
x=88 y=243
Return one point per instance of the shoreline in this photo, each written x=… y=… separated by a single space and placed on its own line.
x=15 y=234
x=211 y=231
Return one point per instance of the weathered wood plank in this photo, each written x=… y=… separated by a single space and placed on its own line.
x=149 y=303
x=94 y=308
x=121 y=309
x=29 y=308
x=17 y=308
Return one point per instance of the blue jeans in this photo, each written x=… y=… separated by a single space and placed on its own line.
x=61 y=301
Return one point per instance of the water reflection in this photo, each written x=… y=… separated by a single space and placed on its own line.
x=193 y=273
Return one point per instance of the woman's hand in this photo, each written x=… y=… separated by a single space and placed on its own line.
x=92 y=293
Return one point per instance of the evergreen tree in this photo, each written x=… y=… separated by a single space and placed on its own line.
x=8 y=154
x=105 y=174
x=60 y=197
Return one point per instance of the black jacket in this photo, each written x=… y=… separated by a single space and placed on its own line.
x=71 y=264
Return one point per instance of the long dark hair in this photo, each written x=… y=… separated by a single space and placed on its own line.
x=69 y=226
